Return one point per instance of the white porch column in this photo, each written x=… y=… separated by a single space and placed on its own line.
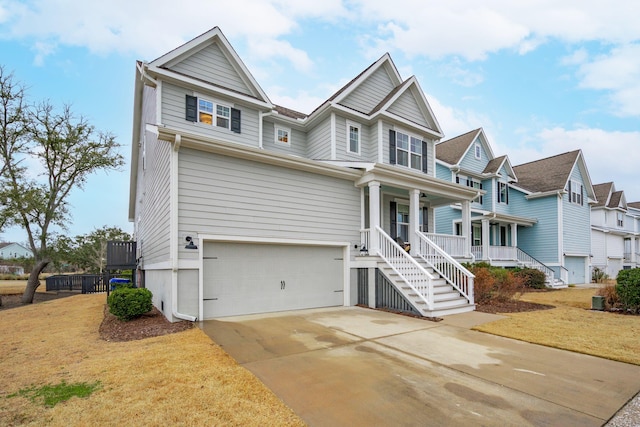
x=414 y=220
x=514 y=235
x=374 y=217
x=466 y=226
x=633 y=250
x=485 y=238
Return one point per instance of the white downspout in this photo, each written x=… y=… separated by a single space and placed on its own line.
x=173 y=232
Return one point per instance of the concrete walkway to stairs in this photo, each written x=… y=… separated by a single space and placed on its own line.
x=355 y=366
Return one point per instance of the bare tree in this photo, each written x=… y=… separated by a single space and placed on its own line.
x=67 y=148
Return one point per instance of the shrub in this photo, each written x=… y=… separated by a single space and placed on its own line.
x=611 y=298
x=507 y=285
x=531 y=278
x=483 y=285
x=628 y=289
x=129 y=303
x=598 y=275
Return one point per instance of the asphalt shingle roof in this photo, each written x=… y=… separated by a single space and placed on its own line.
x=602 y=192
x=494 y=165
x=452 y=150
x=548 y=174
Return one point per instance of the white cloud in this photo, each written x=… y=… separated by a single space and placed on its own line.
x=610 y=156
x=619 y=73
x=454 y=121
x=577 y=57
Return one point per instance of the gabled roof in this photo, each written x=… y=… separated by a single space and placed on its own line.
x=453 y=150
x=192 y=47
x=494 y=166
x=602 y=192
x=634 y=205
x=384 y=61
x=617 y=200
x=553 y=173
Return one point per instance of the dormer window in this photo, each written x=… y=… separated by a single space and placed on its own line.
x=620 y=219
x=503 y=192
x=478 y=150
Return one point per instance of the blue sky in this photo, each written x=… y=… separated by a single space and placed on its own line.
x=541 y=77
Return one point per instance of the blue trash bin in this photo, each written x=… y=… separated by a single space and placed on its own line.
x=112 y=282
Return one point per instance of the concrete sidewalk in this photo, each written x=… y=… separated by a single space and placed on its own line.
x=355 y=366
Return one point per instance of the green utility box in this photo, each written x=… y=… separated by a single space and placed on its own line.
x=597 y=303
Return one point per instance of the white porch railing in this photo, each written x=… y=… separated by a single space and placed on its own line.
x=364 y=240
x=503 y=253
x=407 y=268
x=450 y=269
x=453 y=245
x=476 y=251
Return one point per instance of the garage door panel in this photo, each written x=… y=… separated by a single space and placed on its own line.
x=244 y=278
x=576 y=269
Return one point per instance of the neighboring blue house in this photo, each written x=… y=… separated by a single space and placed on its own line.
x=10 y=250
x=535 y=215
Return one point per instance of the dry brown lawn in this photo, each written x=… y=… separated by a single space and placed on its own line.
x=178 y=379
x=573 y=326
x=8 y=287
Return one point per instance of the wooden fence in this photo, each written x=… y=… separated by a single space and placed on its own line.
x=86 y=283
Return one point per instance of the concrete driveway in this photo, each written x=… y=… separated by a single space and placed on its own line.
x=355 y=366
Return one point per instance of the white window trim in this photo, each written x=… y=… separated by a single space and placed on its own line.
x=351 y=124
x=410 y=135
x=277 y=128
x=620 y=219
x=214 y=117
x=574 y=186
x=506 y=186
x=477 y=150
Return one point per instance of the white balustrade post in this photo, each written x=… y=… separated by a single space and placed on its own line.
x=466 y=227
x=514 y=235
x=374 y=217
x=485 y=239
x=414 y=220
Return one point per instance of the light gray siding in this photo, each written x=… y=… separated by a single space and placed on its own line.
x=342 y=141
x=369 y=94
x=211 y=65
x=173 y=115
x=319 y=141
x=229 y=196
x=152 y=193
x=407 y=107
x=298 y=140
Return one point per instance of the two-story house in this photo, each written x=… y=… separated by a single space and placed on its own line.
x=614 y=232
x=531 y=215
x=243 y=206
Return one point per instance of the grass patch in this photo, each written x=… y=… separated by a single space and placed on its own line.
x=178 y=379
x=51 y=395
x=572 y=326
x=12 y=287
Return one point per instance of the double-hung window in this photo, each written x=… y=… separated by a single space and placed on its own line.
x=212 y=113
x=575 y=193
x=470 y=182
x=353 y=138
x=407 y=150
x=283 y=135
x=503 y=192
x=620 y=219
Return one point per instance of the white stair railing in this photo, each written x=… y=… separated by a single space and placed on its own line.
x=450 y=269
x=531 y=262
x=453 y=245
x=406 y=267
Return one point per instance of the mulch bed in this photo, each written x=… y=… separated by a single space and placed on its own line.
x=151 y=324
x=513 y=306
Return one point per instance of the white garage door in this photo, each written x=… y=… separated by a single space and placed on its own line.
x=576 y=267
x=245 y=278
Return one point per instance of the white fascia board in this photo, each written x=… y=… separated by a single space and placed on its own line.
x=386 y=58
x=269 y=240
x=135 y=140
x=231 y=149
x=170 y=76
x=407 y=123
x=346 y=164
x=531 y=196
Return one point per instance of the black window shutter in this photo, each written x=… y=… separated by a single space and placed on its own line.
x=457 y=179
x=480 y=198
x=394 y=224
x=581 y=196
x=570 y=192
x=392 y=146
x=235 y=120
x=498 y=194
x=425 y=160
x=191 y=109
x=425 y=220
x=506 y=190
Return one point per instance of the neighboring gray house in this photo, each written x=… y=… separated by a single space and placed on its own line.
x=10 y=250
x=242 y=206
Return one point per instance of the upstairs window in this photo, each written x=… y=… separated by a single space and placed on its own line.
x=478 y=150
x=353 y=138
x=620 y=219
x=208 y=112
x=407 y=150
x=283 y=135
x=503 y=193
x=575 y=193
x=470 y=182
